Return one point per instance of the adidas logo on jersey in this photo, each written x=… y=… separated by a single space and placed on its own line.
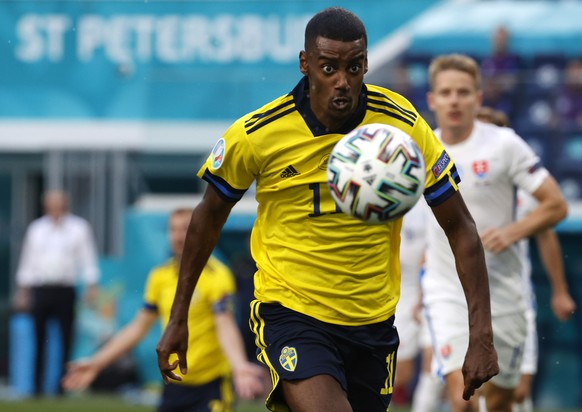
x=289 y=172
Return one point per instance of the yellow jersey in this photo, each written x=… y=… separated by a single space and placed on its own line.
x=213 y=293
x=310 y=257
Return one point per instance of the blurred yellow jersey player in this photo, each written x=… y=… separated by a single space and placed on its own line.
x=215 y=356
x=214 y=294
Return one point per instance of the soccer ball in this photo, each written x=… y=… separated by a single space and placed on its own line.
x=376 y=173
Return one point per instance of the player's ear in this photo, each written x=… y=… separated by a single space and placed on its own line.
x=303 y=66
x=430 y=100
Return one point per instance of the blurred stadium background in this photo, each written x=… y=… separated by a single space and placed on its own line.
x=118 y=102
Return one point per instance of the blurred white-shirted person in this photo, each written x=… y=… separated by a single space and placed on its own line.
x=492 y=162
x=415 y=341
x=58 y=248
x=412 y=246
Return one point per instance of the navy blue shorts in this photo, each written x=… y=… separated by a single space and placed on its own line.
x=213 y=396
x=296 y=346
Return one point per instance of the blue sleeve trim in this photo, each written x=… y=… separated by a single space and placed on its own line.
x=443 y=189
x=150 y=307
x=224 y=190
x=223 y=305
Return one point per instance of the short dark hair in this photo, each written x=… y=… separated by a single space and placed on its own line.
x=335 y=23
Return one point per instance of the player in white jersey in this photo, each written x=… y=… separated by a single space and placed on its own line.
x=412 y=247
x=492 y=161
x=549 y=250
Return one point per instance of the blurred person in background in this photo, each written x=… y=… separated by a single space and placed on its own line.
x=500 y=72
x=492 y=161
x=569 y=99
x=550 y=252
x=415 y=342
x=216 y=354
x=57 y=248
x=412 y=247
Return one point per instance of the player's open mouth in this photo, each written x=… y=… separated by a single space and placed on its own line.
x=341 y=103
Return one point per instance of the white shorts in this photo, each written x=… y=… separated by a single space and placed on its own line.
x=448 y=324
x=408 y=328
x=529 y=363
x=425 y=338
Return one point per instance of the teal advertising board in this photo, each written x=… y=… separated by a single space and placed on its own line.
x=169 y=60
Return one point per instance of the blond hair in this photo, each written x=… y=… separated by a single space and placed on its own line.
x=455 y=61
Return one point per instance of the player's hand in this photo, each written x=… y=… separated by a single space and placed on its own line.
x=563 y=306
x=173 y=340
x=417 y=312
x=480 y=365
x=248 y=380
x=80 y=375
x=496 y=240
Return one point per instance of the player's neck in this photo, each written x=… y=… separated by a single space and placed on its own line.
x=456 y=135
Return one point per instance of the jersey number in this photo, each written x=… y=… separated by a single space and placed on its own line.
x=389 y=384
x=317 y=201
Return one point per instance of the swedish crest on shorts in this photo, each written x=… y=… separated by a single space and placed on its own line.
x=288 y=358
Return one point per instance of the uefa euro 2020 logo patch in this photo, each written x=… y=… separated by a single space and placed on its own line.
x=218 y=153
x=288 y=358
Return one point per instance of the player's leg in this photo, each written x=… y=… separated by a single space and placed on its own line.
x=429 y=389
x=65 y=315
x=306 y=367
x=447 y=323
x=522 y=396
x=370 y=361
x=313 y=363
x=406 y=371
x=454 y=388
x=522 y=401
x=318 y=393
x=509 y=334
x=217 y=395
x=497 y=399
x=408 y=331
x=41 y=310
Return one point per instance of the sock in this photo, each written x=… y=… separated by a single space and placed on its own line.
x=427 y=394
x=525 y=406
x=482 y=404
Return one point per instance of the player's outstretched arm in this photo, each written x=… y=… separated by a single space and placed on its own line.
x=481 y=359
x=550 y=253
x=551 y=209
x=205 y=226
x=247 y=376
x=80 y=374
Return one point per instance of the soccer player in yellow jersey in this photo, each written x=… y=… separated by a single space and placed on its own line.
x=326 y=285
x=216 y=356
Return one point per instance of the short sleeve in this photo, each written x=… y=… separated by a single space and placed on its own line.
x=223 y=287
x=232 y=166
x=525 y=167
x=152 y=291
